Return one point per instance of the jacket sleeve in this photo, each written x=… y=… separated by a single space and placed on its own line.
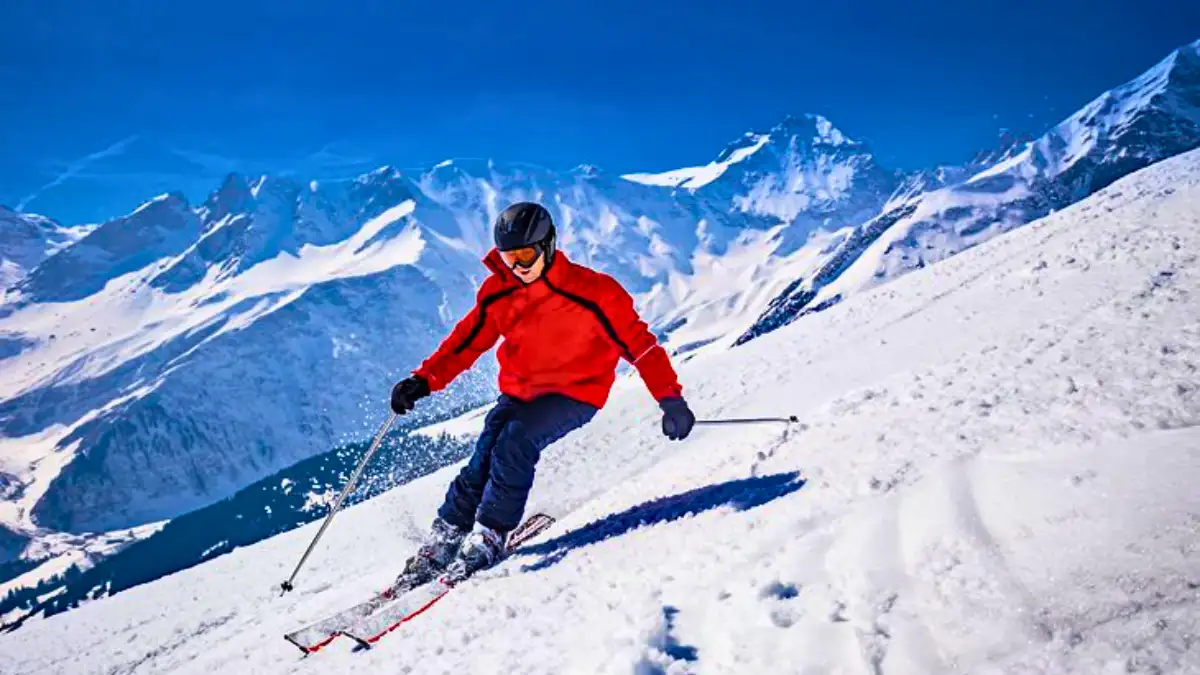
x=473 y=335
x=639 y=346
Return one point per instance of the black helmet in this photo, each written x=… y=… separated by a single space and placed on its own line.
x=525 y=224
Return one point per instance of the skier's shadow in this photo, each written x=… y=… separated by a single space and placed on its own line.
x=742 y=494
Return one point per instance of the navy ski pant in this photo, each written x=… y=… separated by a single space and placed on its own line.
x=494 y=485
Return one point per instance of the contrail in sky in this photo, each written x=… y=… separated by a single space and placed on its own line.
x=76 y=166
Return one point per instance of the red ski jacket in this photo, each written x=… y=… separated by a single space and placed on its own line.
x=562 y=333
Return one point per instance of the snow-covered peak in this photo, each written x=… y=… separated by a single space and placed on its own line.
x=931 y=217
x=456 y=169
x=586 y=170
x=817 y=128
x=277 y=188
x=794 y=134
x=26 y=239
x=693 y=178
x=1181 y=84
x=803 y=172
x=827 y=133
x=11 y=216
x=17 y=230
x=379 y=190
x=738 y=151
x=380 y=176
x=1008 y=145
x=233 y=193
x=163 y=226
x=1177 y=69
x=802 y=168
x=1153 y=116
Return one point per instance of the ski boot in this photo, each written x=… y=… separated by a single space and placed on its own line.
x=435 y=554
x=480 y=549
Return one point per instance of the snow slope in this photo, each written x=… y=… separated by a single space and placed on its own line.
x=995 y=473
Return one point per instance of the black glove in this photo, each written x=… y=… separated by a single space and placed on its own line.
x=677 y=418
x=407 y=392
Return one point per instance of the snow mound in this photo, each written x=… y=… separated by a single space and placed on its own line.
x=995 y=472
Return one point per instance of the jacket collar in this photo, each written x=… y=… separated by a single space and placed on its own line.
x=554 y=273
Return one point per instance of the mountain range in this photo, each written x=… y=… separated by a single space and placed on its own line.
x=160 y=361
x=978 y=482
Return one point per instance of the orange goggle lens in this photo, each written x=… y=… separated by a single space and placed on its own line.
x=525 y=257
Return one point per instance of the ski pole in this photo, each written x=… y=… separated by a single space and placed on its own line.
x=751 y=420
x=287 y=585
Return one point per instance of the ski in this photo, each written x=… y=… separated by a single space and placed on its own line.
x=313 y=637
x=532 y=527
x=368 y=629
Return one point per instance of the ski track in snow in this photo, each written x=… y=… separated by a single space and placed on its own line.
x=995 y=473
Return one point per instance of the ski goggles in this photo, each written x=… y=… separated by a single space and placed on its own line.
x=521 y=257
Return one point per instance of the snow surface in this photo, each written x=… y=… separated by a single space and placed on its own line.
x=61 y=551
x=995 y=473
x=707 y=313
x=463 y=426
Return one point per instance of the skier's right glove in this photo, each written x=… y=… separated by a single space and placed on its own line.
x=407 y=392
x=677 y=418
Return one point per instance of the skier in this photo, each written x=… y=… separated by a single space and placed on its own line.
x=564 y=328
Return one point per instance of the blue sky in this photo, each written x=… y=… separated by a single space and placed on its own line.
x=104 y=104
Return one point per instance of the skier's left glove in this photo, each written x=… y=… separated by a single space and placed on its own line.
x=407 y=392
x=677 y=418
